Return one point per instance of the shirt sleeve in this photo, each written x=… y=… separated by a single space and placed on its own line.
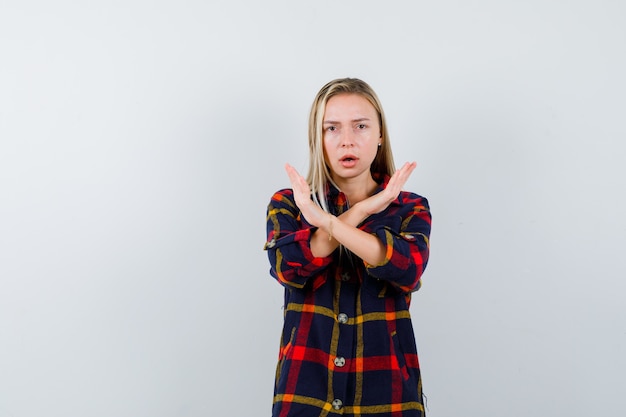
x=406 y=245
x=288 y=243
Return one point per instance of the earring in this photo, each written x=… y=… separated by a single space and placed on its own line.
x=379 y=144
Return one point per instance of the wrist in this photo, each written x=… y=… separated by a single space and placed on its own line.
x=331 y=220
x=360 y=212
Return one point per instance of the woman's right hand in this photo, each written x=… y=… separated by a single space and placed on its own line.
x=302 y=196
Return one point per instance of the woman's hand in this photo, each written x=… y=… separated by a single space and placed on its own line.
x=302 y=195
x=379 y=202
x=345 y=231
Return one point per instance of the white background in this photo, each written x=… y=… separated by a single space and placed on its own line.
x=140 y=142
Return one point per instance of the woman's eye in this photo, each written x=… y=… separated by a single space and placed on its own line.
x=331 y=128
x=361 y=126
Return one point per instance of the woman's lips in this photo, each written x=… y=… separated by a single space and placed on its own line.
x=348 y=161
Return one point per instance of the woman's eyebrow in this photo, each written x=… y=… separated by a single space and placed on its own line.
x=360 y=119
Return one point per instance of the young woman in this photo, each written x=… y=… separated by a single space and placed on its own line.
x=349 y=247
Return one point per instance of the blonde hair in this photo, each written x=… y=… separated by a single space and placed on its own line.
x=319 y=174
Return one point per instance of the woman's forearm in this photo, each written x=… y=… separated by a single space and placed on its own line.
x=343 y=230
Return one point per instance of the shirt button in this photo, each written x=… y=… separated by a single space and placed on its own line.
x=337 y=404
x=340 y=361
x=345 y=276
x=342 y=318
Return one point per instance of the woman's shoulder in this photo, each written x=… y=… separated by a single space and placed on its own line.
x=283 y=196
x=284 y=192
x=413 y=199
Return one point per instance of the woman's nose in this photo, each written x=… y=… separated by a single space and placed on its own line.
x=347 y=139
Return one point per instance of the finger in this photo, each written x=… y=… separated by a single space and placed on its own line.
x=399 y=174
x=299 y=185
x=294 y=176
x=400 y=177
x=290 y=170
x=409 y=167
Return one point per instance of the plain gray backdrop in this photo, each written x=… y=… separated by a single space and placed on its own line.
x=140 y=142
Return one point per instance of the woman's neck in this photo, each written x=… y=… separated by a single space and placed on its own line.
x=357 y=189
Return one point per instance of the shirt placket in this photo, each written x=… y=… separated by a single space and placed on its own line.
x=340 y=360
x=345 y=310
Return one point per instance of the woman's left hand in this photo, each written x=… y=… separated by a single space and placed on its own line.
x=380 y=201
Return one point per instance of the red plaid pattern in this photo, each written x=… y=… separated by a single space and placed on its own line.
x=347 y=345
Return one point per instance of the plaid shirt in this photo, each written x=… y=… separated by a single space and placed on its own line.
x=347 y=345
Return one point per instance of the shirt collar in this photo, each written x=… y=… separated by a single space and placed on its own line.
x=336 y=197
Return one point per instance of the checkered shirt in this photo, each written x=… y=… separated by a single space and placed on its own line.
x=347 y=345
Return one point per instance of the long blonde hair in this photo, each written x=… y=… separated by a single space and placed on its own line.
x=319 y=174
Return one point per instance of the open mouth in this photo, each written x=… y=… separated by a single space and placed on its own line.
x=348 y=161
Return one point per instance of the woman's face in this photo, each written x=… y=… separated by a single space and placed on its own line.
x=351 y=136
